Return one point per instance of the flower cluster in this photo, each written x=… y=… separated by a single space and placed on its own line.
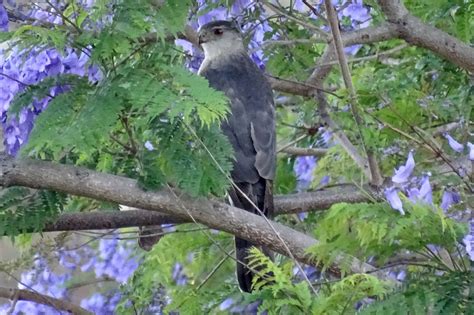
x=419 y=190
x=415 y=189
x=22 y=68
x=352 y=16
x=111 y=260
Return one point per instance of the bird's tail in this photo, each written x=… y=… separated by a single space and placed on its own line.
x=261 y=196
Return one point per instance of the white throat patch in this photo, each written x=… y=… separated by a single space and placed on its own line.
x=220 y=50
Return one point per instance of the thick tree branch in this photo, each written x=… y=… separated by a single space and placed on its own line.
x=418 y=33
x=87 y=183
x=60 y=305
x=285 y=204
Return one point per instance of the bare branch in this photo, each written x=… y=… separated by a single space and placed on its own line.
x=25 y=295
x=375 y=174
x=286 y=204
x=87 y=183
x=340 y=136
x=304 y=151
x=418 y=33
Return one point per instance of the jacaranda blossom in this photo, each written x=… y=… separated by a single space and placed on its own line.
x=394 y=199
x=304 y=167
x=469 y=241
x=471 y=151
x=404 y=171
x=450 y=197
x=456 y=146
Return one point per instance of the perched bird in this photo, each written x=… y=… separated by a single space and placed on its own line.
x=250 y=125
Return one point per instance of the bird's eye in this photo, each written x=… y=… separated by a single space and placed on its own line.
x=218 y=31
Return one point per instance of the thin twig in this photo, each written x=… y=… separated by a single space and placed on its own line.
x=439 y=152
x=315 y=12
x=65 y=18
x=16 y=296
x=294 y=19
x=367 y=58
x=291 y=143
x=214 y=270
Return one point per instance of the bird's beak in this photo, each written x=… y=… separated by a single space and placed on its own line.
x=202 y=39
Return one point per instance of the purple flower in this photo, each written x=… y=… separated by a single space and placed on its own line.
x=326 y=136
x=226 y=304
x=178 y=275
x=304 y=167
x=424 y=193
x=3 y=18
x=449 y=198
x=402 y=275
x=302 y=215
x=358 y=13
x=325 y=180
x=471 y=151
x=149 y=146
x=394 y=200
x=456 y=146
x=404 y=171
x=469 y=240
x=353 y=49
x=300 y=6
x=94 y=303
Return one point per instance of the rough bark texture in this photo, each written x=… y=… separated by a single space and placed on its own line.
x=214 y=214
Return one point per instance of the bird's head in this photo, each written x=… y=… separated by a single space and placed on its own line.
x=220 y=38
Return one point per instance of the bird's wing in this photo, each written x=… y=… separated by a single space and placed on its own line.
x=251 y=125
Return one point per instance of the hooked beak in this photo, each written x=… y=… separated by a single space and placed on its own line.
x=201 y=39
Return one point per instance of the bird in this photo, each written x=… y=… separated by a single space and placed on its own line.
x=250 y=126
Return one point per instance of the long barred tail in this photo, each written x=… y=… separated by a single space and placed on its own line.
x=261 y=195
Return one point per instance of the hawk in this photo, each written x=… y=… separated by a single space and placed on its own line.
x=250 y=126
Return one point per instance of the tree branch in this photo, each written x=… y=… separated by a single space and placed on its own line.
x=305 y=151
x=25 y=295
x=375 y=175
x=285 y=204
x=418 y=33
x=87 y=183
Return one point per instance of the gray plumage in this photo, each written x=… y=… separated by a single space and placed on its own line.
x=250 y=126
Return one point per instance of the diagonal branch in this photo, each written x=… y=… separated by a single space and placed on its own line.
x=25 y=295
x=375 y=175
x=87 y=183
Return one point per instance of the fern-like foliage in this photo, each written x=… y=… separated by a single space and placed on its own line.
x=280 y=294
x=146 y=94
x=366 y=230
x=23 y=210
x=197 y=253
x=450 y=293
